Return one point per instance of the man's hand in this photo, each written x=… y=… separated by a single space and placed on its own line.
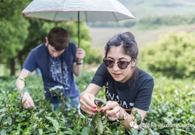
x=80 y=54
x=27 y=100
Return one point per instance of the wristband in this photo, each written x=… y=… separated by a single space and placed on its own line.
x=80 y=63
x=124 y=116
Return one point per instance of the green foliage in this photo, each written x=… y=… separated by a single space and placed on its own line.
x=44 y=120
x=93 y=55
x=13 y=28
x=156 y=22
x=127 y=24
x=84 y=80
x=172 y=55
x=172 y=108
x=149 y=22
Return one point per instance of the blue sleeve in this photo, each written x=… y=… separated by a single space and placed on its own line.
x=100 y=76
x=74 y=49
x=30 y=62
x=143 y=97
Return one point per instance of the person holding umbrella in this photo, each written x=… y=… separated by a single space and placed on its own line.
x=58 y=59
x=127 y=87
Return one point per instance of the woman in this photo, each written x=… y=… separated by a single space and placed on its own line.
x=128 y=88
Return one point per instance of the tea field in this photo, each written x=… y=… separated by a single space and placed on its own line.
x=171 y=111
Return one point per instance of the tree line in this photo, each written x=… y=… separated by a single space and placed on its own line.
x=150 y=22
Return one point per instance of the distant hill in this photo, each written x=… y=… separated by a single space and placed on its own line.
x=144 y=8
x=142 y=36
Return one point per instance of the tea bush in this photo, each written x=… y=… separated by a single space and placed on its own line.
x=172 y=107
x=172 y=55
x=171 y=111
x=14 y=120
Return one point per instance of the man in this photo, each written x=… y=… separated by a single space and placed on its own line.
x=58 y=59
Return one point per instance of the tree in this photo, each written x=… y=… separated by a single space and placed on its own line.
x=13 y=30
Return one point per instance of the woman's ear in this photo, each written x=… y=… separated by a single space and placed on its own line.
x=133 y=62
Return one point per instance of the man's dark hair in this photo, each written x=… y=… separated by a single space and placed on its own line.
x=58 y=38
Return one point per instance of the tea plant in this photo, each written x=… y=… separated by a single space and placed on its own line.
x=45 y=121
x=171 y=111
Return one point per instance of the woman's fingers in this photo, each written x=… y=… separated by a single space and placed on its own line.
x=113 y=117
x=112 y=109
x=87 y=103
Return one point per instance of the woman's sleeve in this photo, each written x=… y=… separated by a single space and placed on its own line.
x=143 y=98
x=100 y=76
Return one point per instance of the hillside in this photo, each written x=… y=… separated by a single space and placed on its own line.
x=100 y=36
x=144 y=8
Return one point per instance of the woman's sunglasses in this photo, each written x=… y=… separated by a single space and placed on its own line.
x=121 y=64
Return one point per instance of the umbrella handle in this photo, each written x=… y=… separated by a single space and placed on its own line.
x=78 y=28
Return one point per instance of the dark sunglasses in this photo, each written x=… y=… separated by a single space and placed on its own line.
x=121 y=64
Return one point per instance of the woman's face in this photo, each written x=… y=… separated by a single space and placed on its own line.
x=116 y=54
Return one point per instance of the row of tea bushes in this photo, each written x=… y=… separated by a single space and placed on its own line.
x=171 y=111
x=14 y=120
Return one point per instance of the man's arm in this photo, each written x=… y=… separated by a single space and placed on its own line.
x=77 y=67
x=20 y=84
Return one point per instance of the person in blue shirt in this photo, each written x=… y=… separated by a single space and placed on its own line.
x=127 y=88
x=58 y=59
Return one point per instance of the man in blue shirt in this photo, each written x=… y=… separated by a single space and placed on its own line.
x=58 y=59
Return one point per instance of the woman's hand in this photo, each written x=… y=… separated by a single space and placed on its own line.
x=113 y=110
x=87 y=103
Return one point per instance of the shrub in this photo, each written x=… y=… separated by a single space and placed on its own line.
x=172 y=108
x=14 y=120
x=93 y=54
x=172 y=55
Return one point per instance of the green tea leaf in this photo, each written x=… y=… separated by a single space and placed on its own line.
x=18 y=128
x=3 y=132
x=138 y=118
x=134 y=131
x=14 y=96
x=40 y=131
x=143 y=132
x=9 y=120
x=99 y=124
x=54 y=122
x=85 y=131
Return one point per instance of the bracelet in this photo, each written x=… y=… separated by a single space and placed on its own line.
x=124 y=116
x=80 y=63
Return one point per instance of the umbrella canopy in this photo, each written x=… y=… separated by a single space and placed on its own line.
x=77 y=10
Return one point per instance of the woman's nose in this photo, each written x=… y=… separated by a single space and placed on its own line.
x=115 y=66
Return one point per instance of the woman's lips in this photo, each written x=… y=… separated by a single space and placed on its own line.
x=116 y=75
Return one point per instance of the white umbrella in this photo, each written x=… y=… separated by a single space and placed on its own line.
x=77 y=10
